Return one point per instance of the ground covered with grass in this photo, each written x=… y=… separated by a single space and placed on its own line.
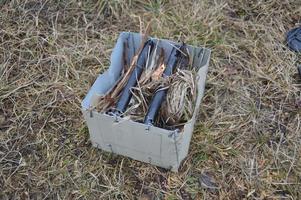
x=247 y=141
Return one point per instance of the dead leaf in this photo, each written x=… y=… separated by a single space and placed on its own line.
x=207 y=181
x=159 y=71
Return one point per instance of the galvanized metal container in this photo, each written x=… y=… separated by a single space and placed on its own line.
x=152 y=145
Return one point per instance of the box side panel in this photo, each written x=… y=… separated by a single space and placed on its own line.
x=94 y=132
x=131 y=139
x=202 y=74
x=108 y=79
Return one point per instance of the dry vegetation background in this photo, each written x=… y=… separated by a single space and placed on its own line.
x=248 y=137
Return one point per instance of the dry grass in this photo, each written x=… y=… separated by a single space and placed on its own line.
x=247 y=140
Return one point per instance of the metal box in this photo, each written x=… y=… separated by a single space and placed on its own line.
x=122 y=136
